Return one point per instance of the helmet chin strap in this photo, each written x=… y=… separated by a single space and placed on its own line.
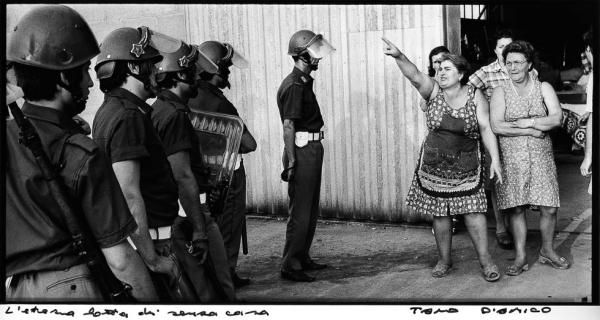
x=79 y=100
x=148 y=86
x=308 y=60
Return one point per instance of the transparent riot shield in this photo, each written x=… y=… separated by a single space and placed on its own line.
x=219 y=137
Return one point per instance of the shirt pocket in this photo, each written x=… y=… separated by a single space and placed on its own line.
x=80 y=287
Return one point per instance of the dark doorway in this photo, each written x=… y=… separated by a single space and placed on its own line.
x=554 y=29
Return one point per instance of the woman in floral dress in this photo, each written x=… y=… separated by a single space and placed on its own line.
x=448 y=178
x=523 y=109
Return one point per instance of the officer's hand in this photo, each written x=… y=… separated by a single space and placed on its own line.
x=287 y=174
x=390 y=49
x=83 y=124
x=214 y=195
x=198 y=248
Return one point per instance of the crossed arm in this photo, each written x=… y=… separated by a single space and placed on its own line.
x=507 y=128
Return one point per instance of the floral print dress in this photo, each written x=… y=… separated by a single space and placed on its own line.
x=448 y=179
x=528 y=166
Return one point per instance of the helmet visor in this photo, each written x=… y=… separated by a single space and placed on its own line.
x=237 y=59
x=319 y=48
x=203 y=63
x=163 y=42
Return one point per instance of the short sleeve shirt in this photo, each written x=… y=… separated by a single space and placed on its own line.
x=296 y=101
x=491 y=76
x=36 y=235
x=211 y=99
x=171 y=121
x=123 y=130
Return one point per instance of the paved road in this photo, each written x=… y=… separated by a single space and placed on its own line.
x=392 y=263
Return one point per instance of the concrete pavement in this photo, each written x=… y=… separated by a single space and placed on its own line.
x=372 y=262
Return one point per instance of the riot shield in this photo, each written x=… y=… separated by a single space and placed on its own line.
x=219 y=137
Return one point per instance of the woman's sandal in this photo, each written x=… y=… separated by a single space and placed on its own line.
x=490 y=272
x=562 y=263
x=514 y=270
x=441 y=270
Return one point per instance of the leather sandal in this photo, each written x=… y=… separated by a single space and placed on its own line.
x=562 y=263
x=515 y=270
x=504 y=240
x=490 y=272
x=441 y=270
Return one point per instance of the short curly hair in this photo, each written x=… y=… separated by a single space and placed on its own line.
x=520 y=46
x=461 y=64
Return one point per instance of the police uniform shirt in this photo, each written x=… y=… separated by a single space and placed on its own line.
x=210 y=98
x=296 y=101
x=37 y=238
x=123 y=130
x=172 y=123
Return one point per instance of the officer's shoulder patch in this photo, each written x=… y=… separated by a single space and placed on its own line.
x=82 y=142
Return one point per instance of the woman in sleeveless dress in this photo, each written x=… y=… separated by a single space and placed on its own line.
x=523 y=109
x=448 y=179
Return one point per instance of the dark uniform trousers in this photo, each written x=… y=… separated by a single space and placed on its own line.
x=304 y=192
x=231 y=221
x=205 y=285
x=168 y=289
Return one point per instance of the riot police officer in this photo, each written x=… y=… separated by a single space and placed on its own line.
x=303 y=152
x=123 y=129
x=210 y=98
x=176 y=80
x=50 y=50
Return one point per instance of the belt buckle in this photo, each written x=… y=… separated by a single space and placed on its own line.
x=153 y=233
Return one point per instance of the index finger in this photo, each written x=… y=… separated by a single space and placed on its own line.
x=388 y=42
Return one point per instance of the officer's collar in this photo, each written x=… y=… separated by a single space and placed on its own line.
x=54 y=116
x=168 y=95
x=210 y=87
x=305 y=77
x=127 y=95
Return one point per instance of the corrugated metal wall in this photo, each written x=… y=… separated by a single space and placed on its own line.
x=373 y=126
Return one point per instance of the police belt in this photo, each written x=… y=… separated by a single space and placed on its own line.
x=315 y=136
x=160 y=233
x=304 y=137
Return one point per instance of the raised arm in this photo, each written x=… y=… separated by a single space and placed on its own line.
x=422 y=82
x=487 y=136
x=502 y=127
